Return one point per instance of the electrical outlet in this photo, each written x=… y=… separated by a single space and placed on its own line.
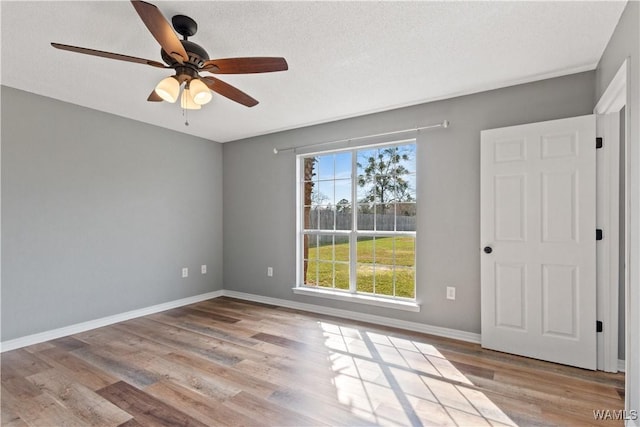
x=270 y=271
x=451 y=292
x=203 y=269
x=185 y=272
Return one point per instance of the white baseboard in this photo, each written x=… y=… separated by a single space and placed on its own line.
x=104 y=321
x=364 y=317
x=110 y=320
x=621 y=366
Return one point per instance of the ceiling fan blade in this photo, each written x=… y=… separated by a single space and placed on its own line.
x=161 y=30
x=154 y=97
x=109 y=55
x=226 y=90
x=245 y=65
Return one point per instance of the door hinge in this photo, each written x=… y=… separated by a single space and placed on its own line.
x=598 y=325
x=598 y=142
x=598 y=234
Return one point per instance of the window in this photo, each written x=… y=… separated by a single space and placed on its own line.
x=357 y=224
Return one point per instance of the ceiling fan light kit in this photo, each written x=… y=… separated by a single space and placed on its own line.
x=187 y=102
x=200 y=92
x=188 y=59
x=168 y=89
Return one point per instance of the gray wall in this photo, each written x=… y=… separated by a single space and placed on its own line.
x=625 y=43
x=99 y=214
x=260 y=193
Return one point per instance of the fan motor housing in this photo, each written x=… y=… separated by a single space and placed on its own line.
x=197 y=55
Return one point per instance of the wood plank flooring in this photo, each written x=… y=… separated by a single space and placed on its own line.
x=226 y=362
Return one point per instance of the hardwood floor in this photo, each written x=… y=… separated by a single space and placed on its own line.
x=226 y=362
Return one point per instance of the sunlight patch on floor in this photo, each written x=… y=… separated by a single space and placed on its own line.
x=393 y=381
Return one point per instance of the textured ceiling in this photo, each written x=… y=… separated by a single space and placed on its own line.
x=345 y=58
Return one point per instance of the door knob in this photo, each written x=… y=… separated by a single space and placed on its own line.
x=487 y=249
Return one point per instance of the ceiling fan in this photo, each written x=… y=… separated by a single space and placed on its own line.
x=188 y=59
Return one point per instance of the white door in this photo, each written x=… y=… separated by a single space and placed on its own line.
x=538 y=236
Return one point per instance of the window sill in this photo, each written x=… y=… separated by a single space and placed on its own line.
x=357 y=298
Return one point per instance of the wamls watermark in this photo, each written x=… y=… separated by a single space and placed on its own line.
x=615 y=414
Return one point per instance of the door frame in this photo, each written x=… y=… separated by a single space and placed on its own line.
x=612 y=101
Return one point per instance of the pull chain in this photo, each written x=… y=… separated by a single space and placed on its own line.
x=185 y=113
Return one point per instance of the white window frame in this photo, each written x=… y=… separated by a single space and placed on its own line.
x=352 y=295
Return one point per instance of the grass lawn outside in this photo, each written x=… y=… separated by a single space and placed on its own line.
x=383 y=263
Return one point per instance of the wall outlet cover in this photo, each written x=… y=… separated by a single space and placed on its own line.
x=451 y=292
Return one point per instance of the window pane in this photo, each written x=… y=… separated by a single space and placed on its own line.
x=325 y=168
x=315 y=196
x=324 y=195
x=364 y=278
x=366 y=191
x=405 y=251
x=308 y=192
x=310 y=243
x=343 y=216
x=343 y=190
x=365 y=250
x=384 y=279
x=365 y=217
x=405 y=216
x=343 y=165
x=310 y=255
x=326 y=217
x=325 y=274
x=341 y=248
x=325 y=247
x=404 y=188
x=366 y=160
x=310 y=218
x=341 y=275
x=309 y=172
x=366 y=172
x=406 y=158
x=384 y=189
x=325 y=260
x=384 y=250
x=343 y=204
x=405 y=282
x=385 y=217
x=311 y=273
x=365 y=264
